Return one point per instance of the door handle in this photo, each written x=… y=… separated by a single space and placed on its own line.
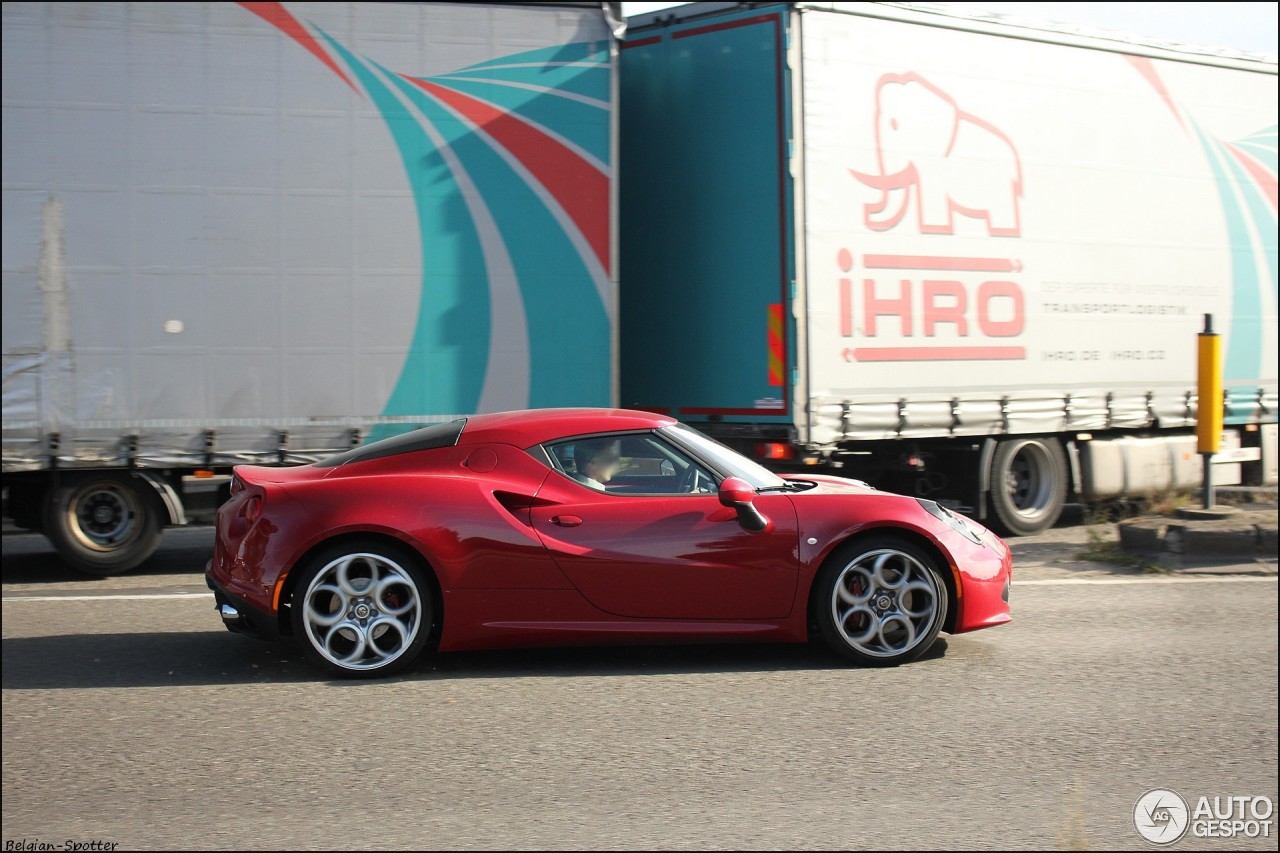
x=566 y=520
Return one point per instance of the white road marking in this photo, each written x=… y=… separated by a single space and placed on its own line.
x=121 y=597
x=1117 y=581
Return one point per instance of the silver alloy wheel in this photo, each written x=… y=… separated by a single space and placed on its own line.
x=1029 y=479
x=885 y=602
x=105 y=516
x=362 y=611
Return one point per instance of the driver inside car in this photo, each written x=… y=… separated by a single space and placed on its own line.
x=597 y=461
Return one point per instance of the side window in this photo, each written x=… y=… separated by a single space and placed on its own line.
x=636 y=464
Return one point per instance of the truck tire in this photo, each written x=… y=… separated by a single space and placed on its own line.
x=1028 y=484
x=103 y=524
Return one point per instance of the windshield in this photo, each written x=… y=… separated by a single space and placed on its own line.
x=729 y=461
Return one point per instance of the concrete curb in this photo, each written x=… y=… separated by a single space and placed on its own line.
x=1244 y=495
x=1183 y=543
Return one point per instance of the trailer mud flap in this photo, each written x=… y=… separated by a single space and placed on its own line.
x=168 y=497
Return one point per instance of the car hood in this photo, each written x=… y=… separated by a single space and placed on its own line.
x=828 y=485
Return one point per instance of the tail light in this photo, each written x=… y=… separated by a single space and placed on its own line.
x=775 y=450
x=252 y=508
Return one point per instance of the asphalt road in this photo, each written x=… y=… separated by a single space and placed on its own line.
x=140 y=720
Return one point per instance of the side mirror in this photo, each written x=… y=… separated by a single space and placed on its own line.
x=738 y=494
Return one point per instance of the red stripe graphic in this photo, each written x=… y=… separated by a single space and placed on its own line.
x=729 y=25
x=1265 y=179
x=930 y=262
x=939 y=353
x=581 y=190
x=1147 y=69
x=642 y=43
x=278 y=16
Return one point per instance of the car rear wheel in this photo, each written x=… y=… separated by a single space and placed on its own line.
x=362 y=609
x=881 y=601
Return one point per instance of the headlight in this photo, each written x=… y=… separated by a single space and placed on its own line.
x=959 y=524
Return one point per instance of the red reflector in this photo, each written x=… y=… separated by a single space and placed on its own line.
x=775 y=450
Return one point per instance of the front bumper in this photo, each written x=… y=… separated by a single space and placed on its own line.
x=238 y=615
x=985 y=599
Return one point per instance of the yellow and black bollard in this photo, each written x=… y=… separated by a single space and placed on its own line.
x=1209 y=407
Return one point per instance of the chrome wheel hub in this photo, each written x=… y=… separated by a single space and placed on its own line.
x=362 y=611
x=885 y=602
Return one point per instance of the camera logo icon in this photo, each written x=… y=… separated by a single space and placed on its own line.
x=1161 y=816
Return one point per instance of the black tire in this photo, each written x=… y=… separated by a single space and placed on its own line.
x=905 y=590
x=103 y=524
x=377 y=623
x=1028 y=485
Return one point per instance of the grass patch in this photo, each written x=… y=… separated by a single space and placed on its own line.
x=1165 y=502
x=1168 y=503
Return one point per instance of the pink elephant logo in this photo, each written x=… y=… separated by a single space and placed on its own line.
x=948 y=160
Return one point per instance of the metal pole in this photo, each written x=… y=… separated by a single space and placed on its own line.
x=1209 y=405
x=1207 y=458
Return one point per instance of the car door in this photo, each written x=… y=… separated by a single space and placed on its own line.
x=668 y=552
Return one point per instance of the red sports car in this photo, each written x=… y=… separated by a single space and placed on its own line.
x=573 y=526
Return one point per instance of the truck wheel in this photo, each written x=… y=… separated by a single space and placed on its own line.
x=103 y=524
x=1028 y=484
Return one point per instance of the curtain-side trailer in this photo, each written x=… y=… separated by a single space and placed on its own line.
x=266 y=232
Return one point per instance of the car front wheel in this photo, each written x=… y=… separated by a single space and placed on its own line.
x=881 y=601
x=362 y=609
